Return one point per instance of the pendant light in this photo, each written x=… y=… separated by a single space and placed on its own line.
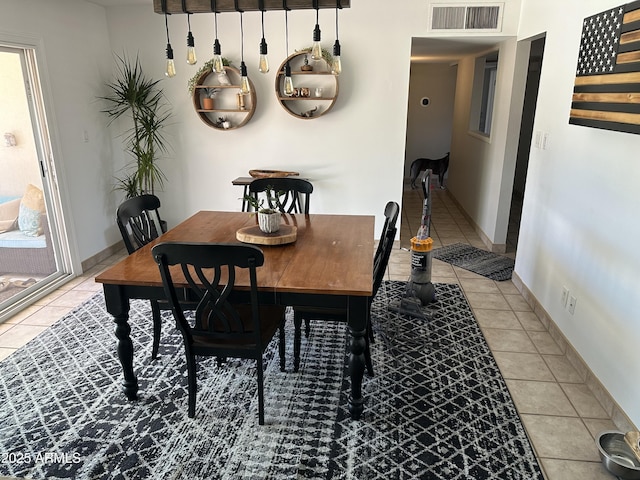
x=288 y=81
x=245 y=88
x=191 y=44
x=316 y=48
x=336 y=64
x=218 y=65
x=170 y=70
x=263 y=65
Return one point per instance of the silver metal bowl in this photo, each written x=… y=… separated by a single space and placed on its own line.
x=617 y=457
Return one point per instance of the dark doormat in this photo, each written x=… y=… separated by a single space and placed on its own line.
x=488 y=264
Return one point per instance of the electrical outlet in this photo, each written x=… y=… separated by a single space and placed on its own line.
x=565 y=296
x=572 y=304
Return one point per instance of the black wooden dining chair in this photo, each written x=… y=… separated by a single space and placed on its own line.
x=139 y=222
x=220 y=327
x=293 y=194
x=380 y=262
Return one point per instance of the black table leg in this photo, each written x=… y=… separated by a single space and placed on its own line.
x=358 y=331
x=118 y=306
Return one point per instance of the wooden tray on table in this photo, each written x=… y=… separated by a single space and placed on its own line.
x=253 y=234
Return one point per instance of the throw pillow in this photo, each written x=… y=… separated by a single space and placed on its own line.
x=31 y=207
x=9 y=214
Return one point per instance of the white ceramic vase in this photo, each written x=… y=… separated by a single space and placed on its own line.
x=269 y=222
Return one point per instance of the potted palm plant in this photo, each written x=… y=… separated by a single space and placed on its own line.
x=138 y=99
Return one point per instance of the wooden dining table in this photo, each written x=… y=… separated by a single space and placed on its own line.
x=330 y=264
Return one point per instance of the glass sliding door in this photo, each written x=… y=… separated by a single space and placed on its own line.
x=31 y=245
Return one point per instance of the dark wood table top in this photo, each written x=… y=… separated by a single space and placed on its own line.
x=333 y=254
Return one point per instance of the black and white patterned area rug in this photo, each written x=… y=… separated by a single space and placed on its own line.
x=437 y=407
x=488 y=264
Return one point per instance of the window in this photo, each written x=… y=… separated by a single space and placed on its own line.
x=484 y=88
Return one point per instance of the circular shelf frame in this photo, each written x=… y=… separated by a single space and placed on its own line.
x=292 y=105
x=206 y=115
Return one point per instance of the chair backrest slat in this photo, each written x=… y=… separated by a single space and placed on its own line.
x=212 y=271
x=293 y=193
x=139 y=221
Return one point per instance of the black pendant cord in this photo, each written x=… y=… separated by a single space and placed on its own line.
x=261 y=6
x=166 y=26
x=316 y=30
x=286 y=30
x=214 y=9
x=241 y=31
x=241 y=39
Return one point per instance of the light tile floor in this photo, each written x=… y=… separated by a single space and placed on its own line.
x=559 y=413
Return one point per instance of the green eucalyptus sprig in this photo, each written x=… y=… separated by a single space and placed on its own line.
x=327 y=56
x=206 y=66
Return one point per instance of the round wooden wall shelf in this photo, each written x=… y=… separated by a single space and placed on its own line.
x=227 y=103
x=317 y=90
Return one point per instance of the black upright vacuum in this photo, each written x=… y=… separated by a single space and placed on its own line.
x=420 y=291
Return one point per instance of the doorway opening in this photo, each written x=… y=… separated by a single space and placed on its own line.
x=33 y=250
x=524 y=143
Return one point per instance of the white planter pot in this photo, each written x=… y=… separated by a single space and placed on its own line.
x=269 y=222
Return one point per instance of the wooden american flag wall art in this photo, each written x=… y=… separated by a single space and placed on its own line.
x=606 y=91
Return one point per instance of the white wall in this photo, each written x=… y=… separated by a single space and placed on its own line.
x=73 y=55
x=482 y=169
x=580 y=224
x=429 y=128
x=353 y=155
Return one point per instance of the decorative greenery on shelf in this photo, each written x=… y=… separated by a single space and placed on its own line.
x=211 y=92
x=326 y=54
x=206 y=66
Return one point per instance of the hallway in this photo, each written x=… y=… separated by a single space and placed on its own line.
x=558 y=410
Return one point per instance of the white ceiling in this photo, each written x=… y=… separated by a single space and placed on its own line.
x=422 y=49
x=450 y=49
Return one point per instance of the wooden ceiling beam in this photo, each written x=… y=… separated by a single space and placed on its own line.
x=205 y=6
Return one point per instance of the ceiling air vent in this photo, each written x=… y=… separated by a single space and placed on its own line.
x=466 y=17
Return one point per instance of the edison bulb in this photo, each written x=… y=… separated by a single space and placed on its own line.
x=218 y=65
x=170 y=71
x=288 y=86
x=336 y=65
x=191 y=50
x=245 y=88
x=316 y=51
x=171 y=68
x=288 y=81
x=191 y=56
x=316 y=48
x=263 y=64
